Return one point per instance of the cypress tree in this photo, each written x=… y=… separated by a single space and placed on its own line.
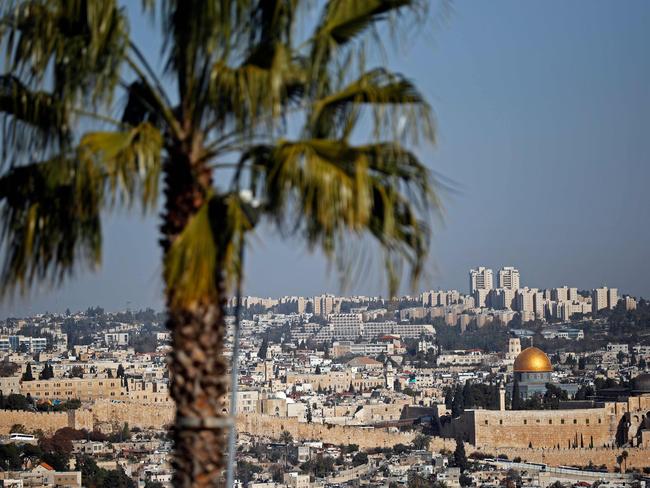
x=468 y=395
x=457 y=406
x=460 y=458
x=516 y=403
x=27 y=376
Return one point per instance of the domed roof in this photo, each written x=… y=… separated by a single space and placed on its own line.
x=532 y=360
x=641 y=384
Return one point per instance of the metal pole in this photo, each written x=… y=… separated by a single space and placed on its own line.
x=234 y=383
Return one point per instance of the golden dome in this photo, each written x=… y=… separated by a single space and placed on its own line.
x=532 y=360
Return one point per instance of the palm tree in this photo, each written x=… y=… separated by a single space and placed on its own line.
x=286 y=438
x=624 y=456
x=249 y=123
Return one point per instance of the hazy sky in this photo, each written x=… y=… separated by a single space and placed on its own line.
x=543 y=112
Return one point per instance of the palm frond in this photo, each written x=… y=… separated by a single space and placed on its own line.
x=82 y=41
x=207 y=251
x=329 y=188
x=130 y=159
x=247 y=92
x=396 y=102
x=343 y=21
x=50 y=221
x=34 y=119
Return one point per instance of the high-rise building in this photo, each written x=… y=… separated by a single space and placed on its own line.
x=603 y=298
x=480 y=279
x=509 y=278
x=501 y=298
x=323 y=305
x=480 y=297
x=612 y=297
x=560 y=294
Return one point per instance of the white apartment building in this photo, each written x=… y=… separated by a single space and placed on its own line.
x=509 y=278
x=369 y=349
x=460 y=358
x=602 y=298
x=17 y=343
x=116 y=338
x=530 y=302
x=346 y=325
x=480 y=279
x=564 y=294
x=323 y=305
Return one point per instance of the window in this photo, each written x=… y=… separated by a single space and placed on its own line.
x=501 y=421
x=575 y=421
x=562 y=421
x=525 y=421
x=587 y=421
x=550 y=421
x=486 y=422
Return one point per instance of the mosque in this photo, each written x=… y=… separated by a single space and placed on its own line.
x=617 y=417
x=532 y=370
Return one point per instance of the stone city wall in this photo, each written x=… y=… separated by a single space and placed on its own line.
x=543 y=428
x=105 y=415
x=637 y=458
x=110 y=415
x=581 y=428
x=48 y=422
x=262 y=425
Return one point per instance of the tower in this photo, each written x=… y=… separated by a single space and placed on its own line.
x=389 y=376
x=502 y=397
x=514 y=348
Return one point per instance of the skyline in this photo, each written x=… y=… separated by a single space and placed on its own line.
x=543 y=139
x=417 y=293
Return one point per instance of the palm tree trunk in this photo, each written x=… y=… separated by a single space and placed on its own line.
x=198 y=387
x=197 y=369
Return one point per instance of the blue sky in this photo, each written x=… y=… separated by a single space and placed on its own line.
x=543 y=113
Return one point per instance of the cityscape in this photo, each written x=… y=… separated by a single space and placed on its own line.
x=497 y=384
x=324 y=244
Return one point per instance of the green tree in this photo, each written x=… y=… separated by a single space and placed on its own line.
x=359 y=458
x=117 y=478
x=153 y=484
x=468 y=395
x=460 y=458
x=18 y=429
x=27 y=375
x=125 y=433
x=252 y=123
x=421 y=442
x=457 y=406
x=624 y=456
x=287 y=439
x=516 y=403
x=246 y=471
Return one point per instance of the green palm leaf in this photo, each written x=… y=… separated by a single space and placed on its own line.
x=332 y=188
x=50 y=220
x=336 y=114
x=131 y=161
x=35 y=118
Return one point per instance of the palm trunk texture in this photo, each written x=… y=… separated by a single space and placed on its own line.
x=197 y=369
